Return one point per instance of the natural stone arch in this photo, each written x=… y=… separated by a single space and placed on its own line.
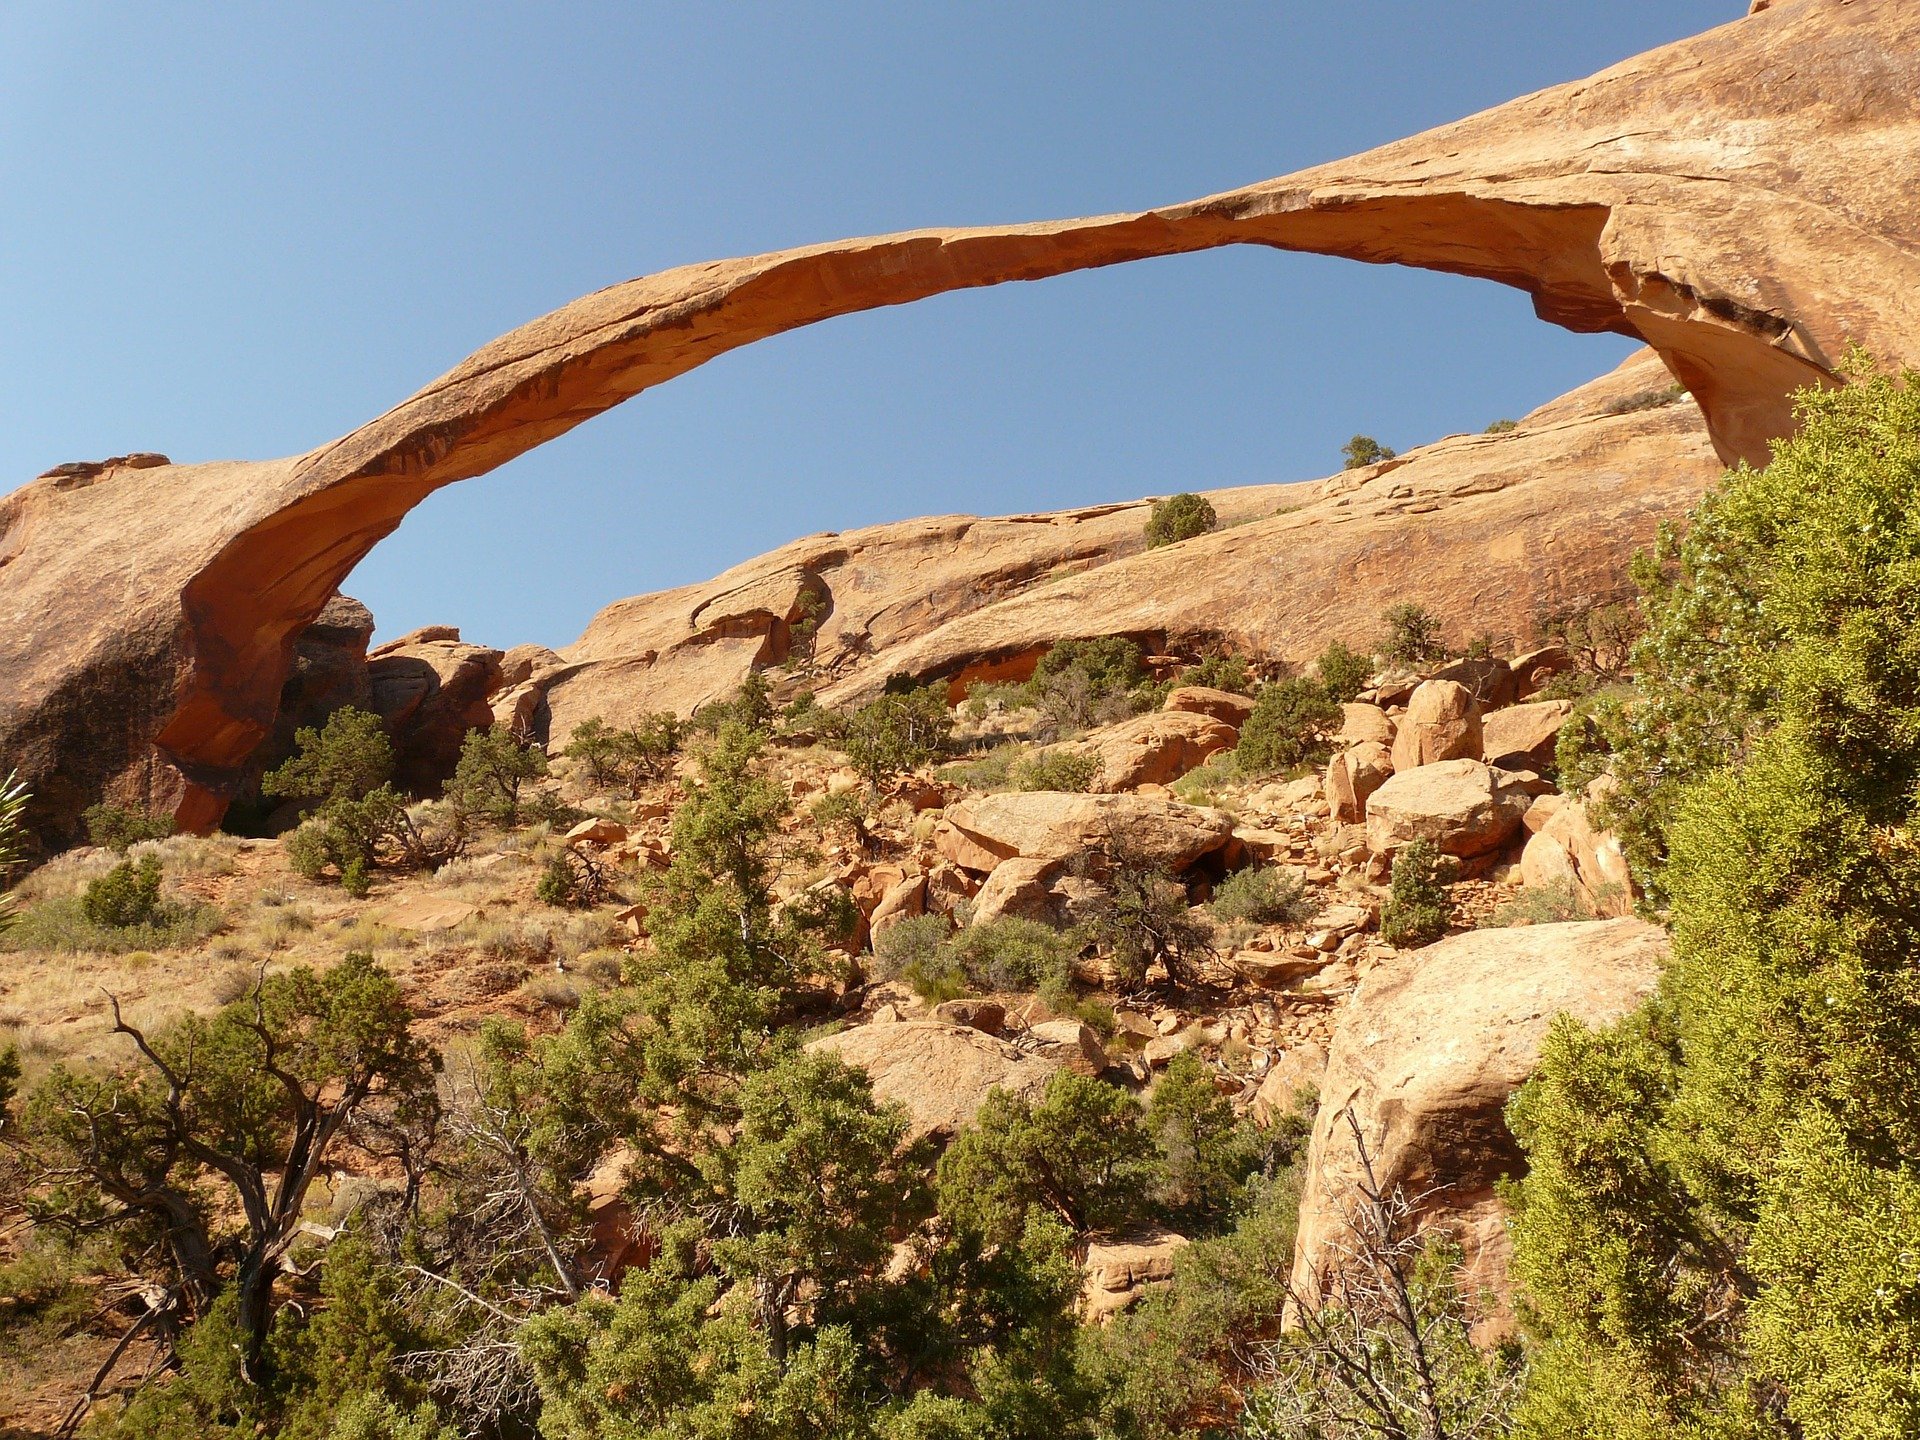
x=1742 y=201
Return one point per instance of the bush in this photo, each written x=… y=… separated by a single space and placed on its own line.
x=127 y=895
x=1413 y=634
x=1143 y=917
x=1419 y=907
x=1343 y=673
x=627 y=757
x=1007 y=954
x=1057 y=770
x=1501 y=427
x=1207 y=1152
x=1363 y=450
x=346 y=759
x=493 y=770
x=1551 y=904
x=1264 y=895
x=119 y=827
x=574 y=880
x=1080 y=682
x=1289 y=726
x=897 y=732
x=1179 y=517
x=1221 y=672
x=751 y=707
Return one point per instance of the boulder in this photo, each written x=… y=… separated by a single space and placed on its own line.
x=1022 y=888
x=431 y=688
x=941 y=1073
x=1071 y=1042
x=1458 y=805
x=425 y=914
x=1152 y=749
x=1118 y=1272
x=1566 y=850
x=1353 y=775
x=1425 y=1057
x=598 y=830
x=1299 y=1067
x=1223 y=705
x=1442 y=723
x=1045 y=825
x=1361 y=722
x=901 y=901
x=1487 y=678
x=1521 y=737
x=1536 y=667
x=989 y=1017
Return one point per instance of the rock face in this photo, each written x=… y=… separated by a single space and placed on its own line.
x=940 y=1072
x=1426 y=1056
x=431 y=688
x=1523 y=736
x=1047 y=825
x=1461 y=806
x=1747 y=232
x=1565 y=849
x=1352 y=777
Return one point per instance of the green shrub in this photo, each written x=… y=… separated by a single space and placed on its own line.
x=1651 y=399
x=1007 y=954
x=631 y=756
x=1221 y=672
x=1419 y=907
x=896 y=733
x=992 y=771
x=127 y=895
x=751 y=707
x=1207 y=1152
x=1413 y=634
x=1289 y=726
x=1343 y=673
x=346 y=759
x=119 y=828
x=1057 y=770
x=492 y=774
x=1179 y=517
x=1080 y=682
x=1141 y=917
x=1501 y=427
x=1264 y=895
x=1363 y=450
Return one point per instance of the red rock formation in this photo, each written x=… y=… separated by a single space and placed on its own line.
x=1742 y=201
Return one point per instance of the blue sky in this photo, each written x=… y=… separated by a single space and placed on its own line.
x=240 y=230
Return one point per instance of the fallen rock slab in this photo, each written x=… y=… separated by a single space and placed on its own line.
x=941 y=1073
x=1048 y=825
x=1458 y=805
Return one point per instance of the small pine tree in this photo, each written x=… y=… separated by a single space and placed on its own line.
x=347 y=759
x=1363 y=450
x=1343 y=672
x=1419 y=909
x=1413 y=634
x=493 y=771
x=127 y=895
x=1289 y=726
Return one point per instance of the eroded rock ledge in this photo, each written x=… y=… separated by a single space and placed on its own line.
x=1742 y=201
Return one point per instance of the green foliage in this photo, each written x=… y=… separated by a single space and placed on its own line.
x=1343 y=673
x=353 y=837
x=1082 y=1155
x=1501 y=427
x=346 y=759
x=1004 y=954
x=1141 y=916
x=127 y=895
x=750 y=708
x=1179 y=517
x=629 y=757
x=1063 y=770
x=1207 y=1154
x=1264 y=895
x=1419 y=907
x=1363 y=450
x=493 y=771
x=897 y=732
x=1289 y=726
x=1413 y=635
x=119 y=828
x=1713 y=1226
x=1655 y=398
x=1220 y=672
x=1081 y=682
x=1554 y=904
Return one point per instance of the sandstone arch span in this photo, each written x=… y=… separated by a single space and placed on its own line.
x=1744 y=201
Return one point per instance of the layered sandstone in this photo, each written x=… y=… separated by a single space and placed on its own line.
x=1742 y=201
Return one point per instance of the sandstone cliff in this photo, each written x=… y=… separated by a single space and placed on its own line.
x=1742 y=201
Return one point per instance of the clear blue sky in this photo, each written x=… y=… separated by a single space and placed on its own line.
x=240 y=230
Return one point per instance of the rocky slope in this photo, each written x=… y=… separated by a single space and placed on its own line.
x=1741 y=201
x=1493 y=529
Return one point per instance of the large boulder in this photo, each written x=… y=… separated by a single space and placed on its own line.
x=1566 y=851
x=431 y=688
x=1361 y=722
x=1119 y=1272
x=1352 y=777
x=1223 y=705
x=1488 y=678
x=941 y=1073
x=1048 y=825
x=1461 y=806
x=1152 y=749
x=1522 y=737
x=1442 y=723
x=1425 y=1057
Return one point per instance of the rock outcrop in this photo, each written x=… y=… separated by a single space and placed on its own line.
x=1152 y=749
x=1425 y=1057
x=1048 y=825
x=1461 y=806
x=941 y=1073
x=1740 y=201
